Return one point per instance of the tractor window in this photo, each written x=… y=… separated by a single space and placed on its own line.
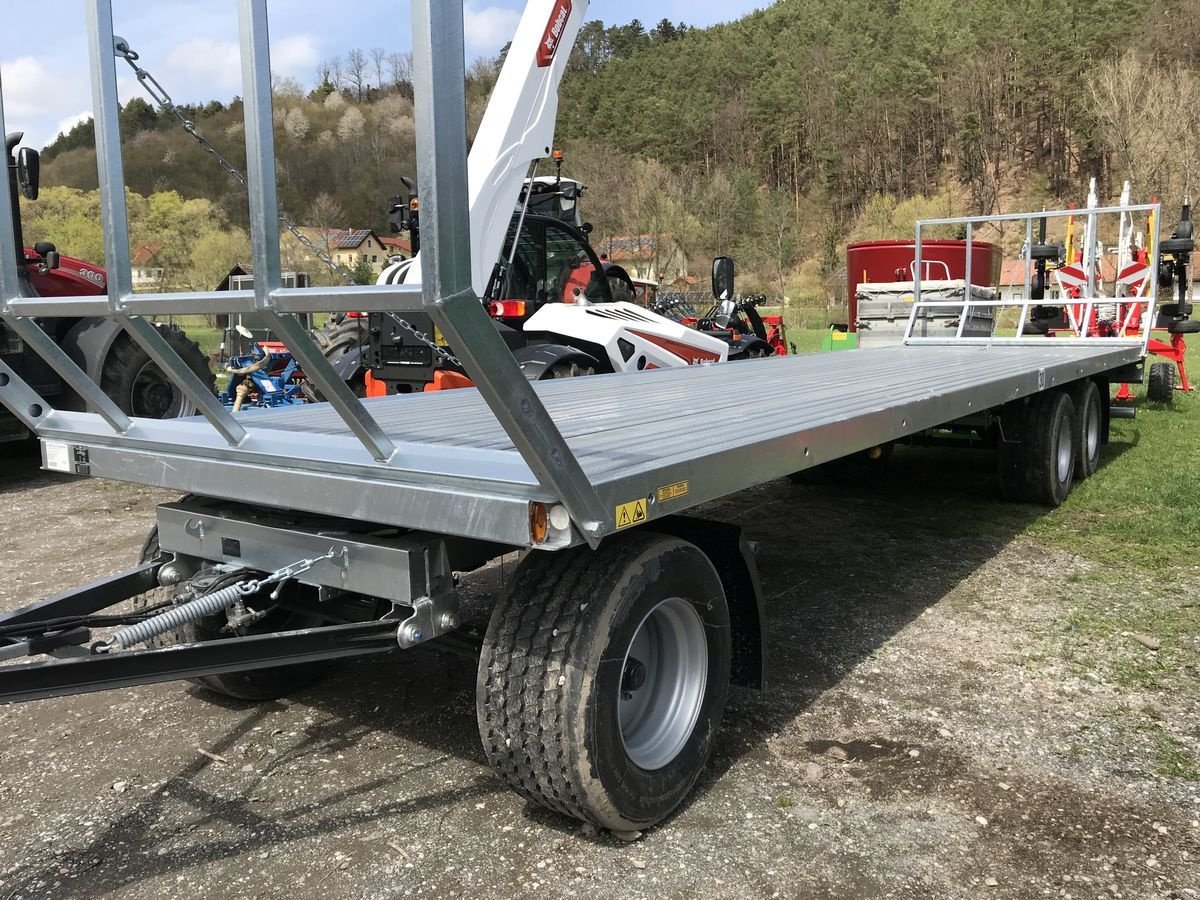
x=527 y=272
x=572 y=271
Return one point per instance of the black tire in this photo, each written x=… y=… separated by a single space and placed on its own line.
x=1038 y=458
x=138 y=386
x=1089 y=428
x=339 y=336
x=568 y=368
x=555 y=671
x=1160 y=384
x=258 y=684
x=336 y=338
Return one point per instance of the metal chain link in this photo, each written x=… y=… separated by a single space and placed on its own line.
x=421 y=336
x=160 y=96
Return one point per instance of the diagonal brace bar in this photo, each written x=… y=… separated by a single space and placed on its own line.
x=438 y=64
x=78 y=380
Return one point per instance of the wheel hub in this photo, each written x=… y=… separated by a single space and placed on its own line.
x=1065 y=451
x=663 y=682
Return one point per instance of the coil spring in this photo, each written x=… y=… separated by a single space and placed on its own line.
x=181 y=615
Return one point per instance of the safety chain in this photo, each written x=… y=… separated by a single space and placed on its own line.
x=160 y=96
x=421 y=336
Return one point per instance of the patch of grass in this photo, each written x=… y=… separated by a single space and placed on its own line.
x=785 y=801
x=1142 y=509
x=1174 y=760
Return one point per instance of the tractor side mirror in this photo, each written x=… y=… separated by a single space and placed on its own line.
x=29 y=172
x=398 y=214
x=722 y=278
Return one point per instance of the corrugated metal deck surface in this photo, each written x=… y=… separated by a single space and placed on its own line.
x=620 y=425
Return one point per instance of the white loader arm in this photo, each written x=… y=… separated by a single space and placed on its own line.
x=517 y=128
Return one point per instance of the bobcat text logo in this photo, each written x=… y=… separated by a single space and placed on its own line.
x=554 y=32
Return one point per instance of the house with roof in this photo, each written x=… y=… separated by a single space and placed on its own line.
x=397 y=248
x=1012 y=280
x=650 y=257
x=147 y=270
x=349 y=246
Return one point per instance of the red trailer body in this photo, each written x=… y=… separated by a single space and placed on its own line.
x=887 y=261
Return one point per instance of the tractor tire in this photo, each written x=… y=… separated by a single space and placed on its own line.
x=567 y=369
x=335 y=339
x=604 y=676
x=138 y=386
x=339 y=337
x=1089 y=428
x=255 y=685
x=1160 y=384
x=1038 y=466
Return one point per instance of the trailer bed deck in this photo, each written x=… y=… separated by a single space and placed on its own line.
x=706 y=432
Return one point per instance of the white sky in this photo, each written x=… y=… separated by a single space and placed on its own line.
x=191 y=45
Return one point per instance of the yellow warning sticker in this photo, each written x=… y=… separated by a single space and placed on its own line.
x=632 y=513
x=672 y=491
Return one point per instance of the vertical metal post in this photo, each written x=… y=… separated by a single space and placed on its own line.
x=10 y=287
x=966 y=310
x=1151 y=311
x=115 y=221
x=917 y=272
x=440 y=107
x=30 y=332
x=1028 y=290
x=264 y=231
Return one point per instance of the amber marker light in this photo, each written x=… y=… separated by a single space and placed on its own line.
x=539 y=522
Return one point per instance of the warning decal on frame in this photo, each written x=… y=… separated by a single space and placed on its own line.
x=672 y=491
x=632 y=513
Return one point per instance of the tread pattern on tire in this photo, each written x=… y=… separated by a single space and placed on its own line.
x=115 y=371
x=1160 y=383
x=524 y=685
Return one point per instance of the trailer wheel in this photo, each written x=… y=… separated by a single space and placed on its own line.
x=1089 y=430
x=258 y=684
x=1160 y=385
x=603 y=678
x=138 y=386
x=1037 y=454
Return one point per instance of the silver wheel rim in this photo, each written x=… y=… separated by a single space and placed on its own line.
x=154 y=396
x=1065 y=450
x=664 y=675
x=1093 y=430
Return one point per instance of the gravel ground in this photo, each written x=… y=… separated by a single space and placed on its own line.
x=939 y=724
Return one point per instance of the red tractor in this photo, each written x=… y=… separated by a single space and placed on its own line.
x=99 y=346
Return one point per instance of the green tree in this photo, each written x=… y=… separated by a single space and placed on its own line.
x=363 y=272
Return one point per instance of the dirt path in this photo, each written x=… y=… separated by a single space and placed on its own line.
x=941 y=723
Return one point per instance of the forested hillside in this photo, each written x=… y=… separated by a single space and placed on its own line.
x=776 y=138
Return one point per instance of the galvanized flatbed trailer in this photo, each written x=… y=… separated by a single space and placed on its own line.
x=339 y=529
x=456 y=471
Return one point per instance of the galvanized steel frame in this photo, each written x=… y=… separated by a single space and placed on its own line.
x=1089 y=302
x=445 y=292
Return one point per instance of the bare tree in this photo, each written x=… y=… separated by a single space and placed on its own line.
x=400 y=69
x=1151 y=115
x=329 y=71
x=356 y=72
x=379 y=65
